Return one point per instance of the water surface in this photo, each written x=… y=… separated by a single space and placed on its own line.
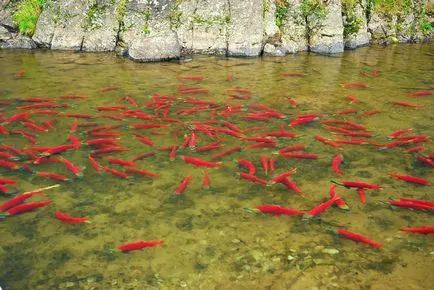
x=210 y=240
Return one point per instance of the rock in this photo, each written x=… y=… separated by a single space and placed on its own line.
x=46 y=24
x=271 y=50
x=294 y=34
x=245 y=28
x=102 y=27
x=209 y=27
x=290 y=258
x=4 y=34
x=380 y=28
x=70 y=21
x=149 y=37
x=7 y=8
x=330 y=251
x=329 y=38
x=355 y=16
x=19 y=42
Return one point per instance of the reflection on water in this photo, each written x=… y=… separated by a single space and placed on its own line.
x=210 y=240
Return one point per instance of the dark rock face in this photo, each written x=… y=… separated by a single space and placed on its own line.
x=152 y=30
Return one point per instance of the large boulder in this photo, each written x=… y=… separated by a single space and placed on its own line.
x=294 y=32
x=209 y=27
x=355 y=25
x=102 y=26
x=329 y=38
x=71 y=23
x=18 y=42
x=245 y=28
x=147 y=34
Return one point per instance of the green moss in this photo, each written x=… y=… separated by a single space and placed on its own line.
x=94 y=17
x=282 y=7
x=27 y=15
x=424 y=23
x=147 y=16
x=313 y=12
x=175 y=16
x=122 y=7
x=352 y=23
x=390 y=7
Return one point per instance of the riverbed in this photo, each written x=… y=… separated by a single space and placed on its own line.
x=213 y=237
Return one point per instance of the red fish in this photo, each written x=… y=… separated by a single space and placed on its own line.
x=52 y=175
x=252 y=178
x=107 y=89
x=148 y=126
x=321 y=207
x=69 y=219
x=27 y=207
x=359 y=184
x=272 y=164
x=282 y=176
x=421 y=230
x=300 y=155
x=16 y=200
x=291 y=149
x=420 y=94
x=226 y=152
x=200 y=162
x=303 y=121
x=406 y=104
x=358 y=238
x=71 y=167
x=410 y=178
x=191 y=78
x=425 y=160
x=142 y=156
x=352 y=99
x=172 y=154
x=115 y=172
x=95 y=164
x=292 y=74
x=362 y=195
x=335 y=164
x=339 y=201
x=415 y=149
x=371 y=113
x=291 y=186
x=139 y=245
x=411 y=204
x=205 y=183
x=140 y=172
x=344 y=112
x=249 y=165
x=120 y=162
x=355 y=85
x=278 y=210
x=183 y=185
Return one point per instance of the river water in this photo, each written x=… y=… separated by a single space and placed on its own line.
x=212 y=237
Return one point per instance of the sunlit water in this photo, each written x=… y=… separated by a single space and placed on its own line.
x=210 y=240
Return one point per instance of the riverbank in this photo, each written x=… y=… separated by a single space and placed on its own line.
x=170 y=29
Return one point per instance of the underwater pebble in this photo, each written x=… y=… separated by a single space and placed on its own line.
x=235 y=241
x=330 y=251
x=318 y=248
x=183 y=284
x=290 y=258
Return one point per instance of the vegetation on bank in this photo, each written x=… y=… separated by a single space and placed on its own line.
x=27 y=15
x=352 y=21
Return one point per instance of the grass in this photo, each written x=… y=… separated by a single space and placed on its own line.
x=27 y=15
x=282 y=7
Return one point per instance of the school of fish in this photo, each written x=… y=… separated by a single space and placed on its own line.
x=197 y=129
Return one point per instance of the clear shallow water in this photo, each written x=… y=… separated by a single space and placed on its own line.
x=210 y=240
